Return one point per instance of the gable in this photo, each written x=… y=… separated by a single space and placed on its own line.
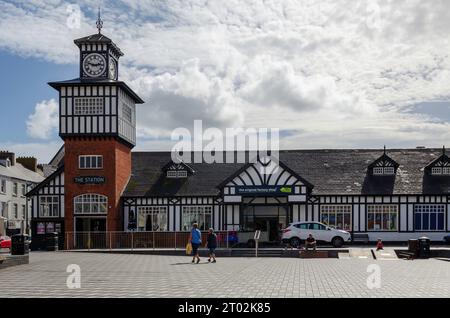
x=265 y=177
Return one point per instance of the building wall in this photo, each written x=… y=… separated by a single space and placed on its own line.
x=7 y=202
x=116 y=170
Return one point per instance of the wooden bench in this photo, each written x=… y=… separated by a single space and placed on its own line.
x=360 y=238
x=313 y=254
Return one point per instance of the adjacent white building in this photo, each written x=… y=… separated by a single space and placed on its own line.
x=17 y=177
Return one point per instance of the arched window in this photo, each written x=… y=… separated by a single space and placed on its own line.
x=91 y=204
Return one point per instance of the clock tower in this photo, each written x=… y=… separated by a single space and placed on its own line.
x=97 y=121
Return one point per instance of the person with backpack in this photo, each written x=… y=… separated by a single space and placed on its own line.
x=211 y=244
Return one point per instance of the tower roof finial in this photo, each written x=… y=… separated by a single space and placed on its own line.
x=443 y=150
x=99 y=22
x=384 y=151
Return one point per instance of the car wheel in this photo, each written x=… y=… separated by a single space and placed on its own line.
x=295 y=242
x=337 y=242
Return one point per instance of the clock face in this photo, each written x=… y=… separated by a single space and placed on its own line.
x=94 y=64
x=112 y=68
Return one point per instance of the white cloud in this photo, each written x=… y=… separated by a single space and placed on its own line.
x=341 y=72
x=44 y=121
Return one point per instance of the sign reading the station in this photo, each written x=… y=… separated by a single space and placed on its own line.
x=90 y=180
x=264 y=190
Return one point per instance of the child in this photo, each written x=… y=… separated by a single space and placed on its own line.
x=380 y=245
x=211 y=244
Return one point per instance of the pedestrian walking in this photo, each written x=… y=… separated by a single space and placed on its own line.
x=211 y=245
x=196 y=240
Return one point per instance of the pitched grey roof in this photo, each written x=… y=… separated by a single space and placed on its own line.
x=330 y=171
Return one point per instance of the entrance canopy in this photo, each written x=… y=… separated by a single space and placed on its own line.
x=265 y=178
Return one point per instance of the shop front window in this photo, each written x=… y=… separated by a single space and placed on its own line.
x=201 y=215
x=152 y=218
x=382 y=218
x=429 y=217
x=337 y=216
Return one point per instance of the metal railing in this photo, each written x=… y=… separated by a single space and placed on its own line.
x=138 y=240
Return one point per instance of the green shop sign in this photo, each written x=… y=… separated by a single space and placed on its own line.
x=264 y=190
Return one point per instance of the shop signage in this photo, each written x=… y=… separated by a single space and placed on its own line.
x=264 y=190
x=90 y=180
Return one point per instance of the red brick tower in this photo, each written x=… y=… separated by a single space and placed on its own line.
x=98 y=126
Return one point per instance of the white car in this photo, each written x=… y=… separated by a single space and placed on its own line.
x=298 y=232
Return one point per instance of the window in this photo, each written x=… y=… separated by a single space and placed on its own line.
x=90 y=162
x=316 y=227
x=88 y=106
x=3 y=210
x=91 y=203
x=2 y=186
x=302 y=226
x=23 y=212
x=336 y=216
x=383 y=171
x=24 y=189
x=16 y=211
x=15 y=188
x=382 y=217
x=48 y=206
x=127 y=113
x=196 y=214
x=176 y=174
x=152 y=218
x=429 y=217
x=440 y=171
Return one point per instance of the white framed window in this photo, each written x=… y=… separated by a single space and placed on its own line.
x=88 y=106
x=3 y=209
x=152 y=218
x=91 y=204
x=436 y=171
x=202 y=215
x=446 y=171
x=382 y=217
x=48 y=206
x=2 y=186
x=16 y=211
x=90 y=162
x=127 y=113
x=176 y=174
x=429 y=217
x=383 y=171
x=24 y=211
x=24 y=189
x=337 y=216
x=15 y=189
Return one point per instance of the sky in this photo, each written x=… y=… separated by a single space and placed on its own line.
x=328 y=74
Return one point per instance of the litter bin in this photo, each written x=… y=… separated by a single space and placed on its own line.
x=424 y=247
x=20 y=244
x=413 y=247
x=51 y=241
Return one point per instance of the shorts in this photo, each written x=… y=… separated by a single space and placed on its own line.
x=195 y=247
x=212 y=250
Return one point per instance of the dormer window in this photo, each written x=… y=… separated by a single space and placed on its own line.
x=176 y=174
x=440 y=166
x=177 y=170
x=384 y=166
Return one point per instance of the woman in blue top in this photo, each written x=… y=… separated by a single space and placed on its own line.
x=196 y=240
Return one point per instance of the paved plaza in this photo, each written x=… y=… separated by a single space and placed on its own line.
x=123 y=275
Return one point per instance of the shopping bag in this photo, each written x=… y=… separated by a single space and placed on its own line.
x=188 y=249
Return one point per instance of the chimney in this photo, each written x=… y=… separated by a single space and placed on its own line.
x=28 y=162
x=8 y=155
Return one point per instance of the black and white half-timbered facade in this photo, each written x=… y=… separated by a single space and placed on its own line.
x=397 y=196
